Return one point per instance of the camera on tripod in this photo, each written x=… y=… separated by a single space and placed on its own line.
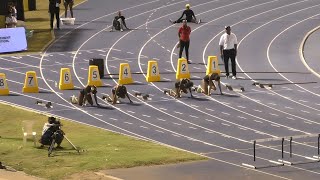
x=52 y=134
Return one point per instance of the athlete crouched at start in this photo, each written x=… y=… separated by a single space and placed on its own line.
x=119 y=91
x=208 y=83
x=85 y=95
x=181 y=86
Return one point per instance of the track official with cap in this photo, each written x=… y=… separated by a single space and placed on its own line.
x=228 y=49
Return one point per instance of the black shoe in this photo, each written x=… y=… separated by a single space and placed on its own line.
x=189 y=62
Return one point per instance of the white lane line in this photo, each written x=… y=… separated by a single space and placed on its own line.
x=113 y=66
x=225 y=124
x=210 y=132
x=274 y=125
x=176 y=123
x=273 y=104
x=242 y=107
x=162 y=47
x=168 y=50
x=130 y=52
x=301 y=91
x=175 y=54
x=258 y=121
x=196 y=77
x=77 y=87
x=85 y=69
x=166 y=79
x=175 y=135
x=177 y=112
x=89 y=52
x=225 y=113
x=102 y=55
x=50 y=80
x=100 y=50
x=114 y=119
x=160 y=131
x=304 y=101
x=163 y=109
x=290 y=118
x=86 y=60
x=241 y=117
x=127 y=122
x=54 y=71
x=144 y=127
x=165 y=99
x=192 y=127
x=194 y=116
x=81 y=78
x=194 y=105
x=59 y=63
x=161 y=119
x=209 y=109
x=273 y=114
x=242 y=128
x=305 y=111
x=318 y=104
x=209 y=120
x=131 y=112
x=258 y=132
x=168 y=70
x=307 y=122
x=98 y=115
x=257 y=110
x=287 y=107
x=145 y=115
x=197 y=68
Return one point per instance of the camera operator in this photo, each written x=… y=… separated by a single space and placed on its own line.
x=51 y=130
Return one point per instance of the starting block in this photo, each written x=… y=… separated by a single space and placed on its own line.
x=153 y=74
x=67 y=21
x=230 y=88
x=125 y=74
x=4 y=90
x=267 y=86
x=46 y=105
x=109 y=99
x=182 y=69
x=144 y=97
x=30 y=83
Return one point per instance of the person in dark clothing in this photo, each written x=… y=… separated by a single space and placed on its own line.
x=208 y=83
x=85 y=95
x=54 y=10
x=119 y=22
x=190 y=17
x=184 y=39
x=66 y=4
x=119 y=91
x=180 y=86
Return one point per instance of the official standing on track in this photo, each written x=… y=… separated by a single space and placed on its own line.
x=184 y=39
x=54 y=10
x=228 y=49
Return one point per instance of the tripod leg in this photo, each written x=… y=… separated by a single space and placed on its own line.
x=71 y=144
x=50 y=149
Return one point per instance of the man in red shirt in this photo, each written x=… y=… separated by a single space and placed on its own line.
x=184 y=37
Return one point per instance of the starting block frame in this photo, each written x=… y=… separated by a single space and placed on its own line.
x=67 y=21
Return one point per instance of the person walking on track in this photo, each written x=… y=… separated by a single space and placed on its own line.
x=184 y=39
x=228 y=49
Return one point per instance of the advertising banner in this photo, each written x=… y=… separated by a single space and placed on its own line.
x=12 y=40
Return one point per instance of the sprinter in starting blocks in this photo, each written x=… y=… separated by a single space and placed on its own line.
x=180 y=86
x=85 y=95
x=119 y=91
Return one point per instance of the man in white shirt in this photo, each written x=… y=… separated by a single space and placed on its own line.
x=228 y=49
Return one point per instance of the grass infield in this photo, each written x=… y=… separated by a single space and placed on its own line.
x=102 y=149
